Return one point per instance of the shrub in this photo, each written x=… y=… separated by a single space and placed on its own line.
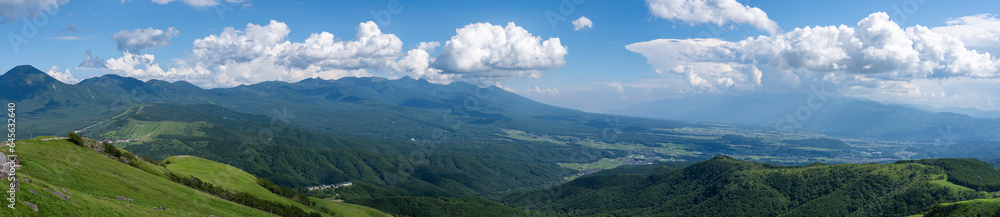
x=75 y=138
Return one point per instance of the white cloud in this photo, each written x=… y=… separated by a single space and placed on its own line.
x=91 y=61
x=551 y=92
x=506 y=88
x=582 y=23
x=370 y=49
x=11 y=10
x=618 y=87
x=479 y=53
x=65 y=38
x=136 y=65
x=485 y=52
x=198 y=3
x=876 y=49
x=718 y=12
x=670 y=55
x=416 y=64
x=137 y=39
x=65 y=77
x=428 y=46
x=980 y=31
x=262 y=53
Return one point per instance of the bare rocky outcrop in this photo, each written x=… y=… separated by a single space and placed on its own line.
x=33 y=206
x=124 y=198
x=60 y=194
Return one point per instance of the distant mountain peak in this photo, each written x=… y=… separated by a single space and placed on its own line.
x=26 y=73
x=25 y=81
x=27 y=68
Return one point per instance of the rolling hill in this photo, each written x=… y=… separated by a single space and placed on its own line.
x=724 y=186
x=63 y=179
x=233 y=178
x=980 y=207
x=296 y=157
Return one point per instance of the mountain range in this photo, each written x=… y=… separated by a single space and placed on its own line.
x=415 y=148
x=824 y=113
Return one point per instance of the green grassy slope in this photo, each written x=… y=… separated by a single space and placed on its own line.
x=970 y=173
x=93 y=181
x=233 y=178
x=294 y=157
x=146 y=130
x=981 y=207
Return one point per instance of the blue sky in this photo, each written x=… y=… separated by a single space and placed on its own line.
x=589 y=69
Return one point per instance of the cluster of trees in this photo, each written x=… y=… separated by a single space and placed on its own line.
x=970 y=173
x=293 y=157
x=107 y=148
x=441 y=206
x=724 y=186
x=239 y=197
x=75 y=138
x=284 y=192
x=236 y=196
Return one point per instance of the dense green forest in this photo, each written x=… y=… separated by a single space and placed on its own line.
x=724 y=186
x=295 y=157
x=441 y=206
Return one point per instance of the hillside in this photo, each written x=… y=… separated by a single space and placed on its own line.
x=981 y=207
x=233 y=178
x=295 y=157
x=92 y=183
x=724 y=186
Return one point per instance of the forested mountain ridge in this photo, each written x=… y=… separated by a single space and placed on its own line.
x=296 y=157
x=724 y=186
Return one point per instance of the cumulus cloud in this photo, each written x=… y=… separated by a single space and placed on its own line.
x=875 y=50
x=582 y=23
x=718 y=12
x=136 y=65
x=416 y=64
x=370 y=49
x=137 y=39
x=91 y=61
x=671 y=55
x=262 y=53
x=480 y=53
x=486 y=52
x=980 y=31
x=16 y=9
x=65 y=77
